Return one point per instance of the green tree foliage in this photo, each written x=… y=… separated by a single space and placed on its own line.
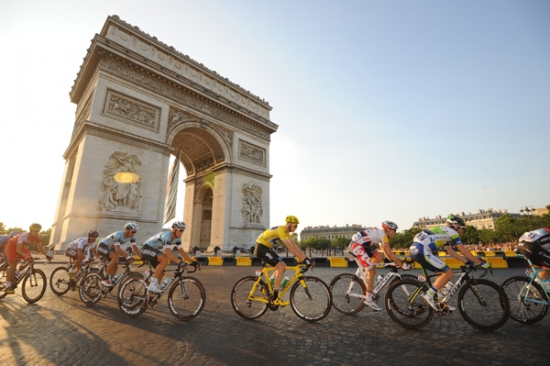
x=404 y=239
x=470 y=235
x=340 y=243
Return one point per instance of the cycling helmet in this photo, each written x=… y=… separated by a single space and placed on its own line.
x=13 y=233
x=290 y=219
x=178 y=225
x=35 y=227
x=455 y=220
x=132 y=226
x=389 y=225
x=93 y=234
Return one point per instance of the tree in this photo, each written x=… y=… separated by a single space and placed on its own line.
x=340 y=242
x=405 y=238
x=470 y=235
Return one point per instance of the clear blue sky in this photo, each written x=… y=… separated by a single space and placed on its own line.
x=386 y=109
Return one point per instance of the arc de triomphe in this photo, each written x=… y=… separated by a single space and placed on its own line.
x=140 y=101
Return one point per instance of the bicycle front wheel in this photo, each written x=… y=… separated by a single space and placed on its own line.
x=59 y=281
x=186 y=298
x=90 y=290
x=244 y=295
x=132 y=297
x=34 y=286
x=3 y=281
x=348 y=293
x=310 y=299
x=483 y=304
x=521 y=295
x=405 y=306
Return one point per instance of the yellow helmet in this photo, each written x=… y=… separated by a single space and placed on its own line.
x=35 y=227
x=290 y=219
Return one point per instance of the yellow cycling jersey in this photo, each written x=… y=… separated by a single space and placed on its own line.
x=273 y=236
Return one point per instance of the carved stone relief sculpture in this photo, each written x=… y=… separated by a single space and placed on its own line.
x=121 y=184
x=252 y=203
x=251 y=153
x=130 y=109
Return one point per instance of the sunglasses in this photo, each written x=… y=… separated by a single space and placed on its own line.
x=35 y=231
x=133 y=231
x=180 y=230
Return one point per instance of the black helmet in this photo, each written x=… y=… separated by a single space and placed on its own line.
x=455 y=220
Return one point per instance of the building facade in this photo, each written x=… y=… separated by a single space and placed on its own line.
x=483 y=219
x=330 y=232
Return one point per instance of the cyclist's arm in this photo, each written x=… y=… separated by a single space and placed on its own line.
x=294 y=249
x=184 y=254
x=455 y=255
x=465 y=252
x=136 y=250
x=170 y=254
x=120 y=252
x=391 y=255
x=20 y=252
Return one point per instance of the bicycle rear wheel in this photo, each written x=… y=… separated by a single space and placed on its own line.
x=311 y=302
x=132 y=297
x=34 y=286
x=2 y=282
x=483 y=304
x=243 y=298
x=186 y=298
x=520 y=292
x=408 y=311
x=348 y=293
x=90 y=290
x=59 y=281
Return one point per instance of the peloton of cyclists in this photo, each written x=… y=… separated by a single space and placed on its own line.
x=273 y=237
x=364 y=246
x=17 y=248
x=77 y=250
x=158 y=252
x=535 y=245
x=428 y=241
x=109 y=248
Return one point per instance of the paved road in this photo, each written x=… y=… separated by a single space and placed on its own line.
x=61 y=331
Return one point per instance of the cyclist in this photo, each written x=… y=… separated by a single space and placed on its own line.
x=109 y=248
x=158 y=252
x=363 y=246
x=535 y=245
x=77 y=251
x=428 y=241
x=17 y=248
x=274 y=236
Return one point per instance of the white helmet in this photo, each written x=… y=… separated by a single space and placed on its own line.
x=132 y=226
x=178 y=225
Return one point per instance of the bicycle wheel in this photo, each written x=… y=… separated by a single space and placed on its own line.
x=348 y=293
x=34 y=286
x=483 y=304
x=311 y=302
x=244 y=295
x=186 y=298
x=59 y=281
x=408 y=311
x=132 y=297
x=519 y=292
x=90 y=290
x=2 y=283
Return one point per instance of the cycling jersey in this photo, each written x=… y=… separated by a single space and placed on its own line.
x=3 y=241
x=427 y=241
x=273 y=236
x=23 y=239
x=535 y=245
x=72 y=248
x=363 y=245
x=162 y=240
x=116 y=238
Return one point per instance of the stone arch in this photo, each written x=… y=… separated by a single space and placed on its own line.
x=140 y=101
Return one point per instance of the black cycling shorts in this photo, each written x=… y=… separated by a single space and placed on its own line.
x=150 y=254
x=535 y=253
x=268 y=255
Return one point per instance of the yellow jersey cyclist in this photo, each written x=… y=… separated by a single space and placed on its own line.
x=273 y=237
x=158 y=252
x=364 y=246
x=428 y=241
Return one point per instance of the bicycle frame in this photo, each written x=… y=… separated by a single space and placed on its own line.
x=534 y=275
x=298 y=275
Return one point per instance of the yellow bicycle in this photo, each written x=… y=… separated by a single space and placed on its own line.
x=310 y=297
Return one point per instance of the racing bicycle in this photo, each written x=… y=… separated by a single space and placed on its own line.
x=60 y=283
x=349 y=290
x=482 y=303
x=310 y=297
x=529 y=299
x=186 y=295
x=33 y=285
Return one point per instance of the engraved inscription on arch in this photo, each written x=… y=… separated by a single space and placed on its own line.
x=251 y=153
x=131 y=110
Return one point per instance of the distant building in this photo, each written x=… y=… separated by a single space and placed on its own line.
x=483 y=219
x=330 y=232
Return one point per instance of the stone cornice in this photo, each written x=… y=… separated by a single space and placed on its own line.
x=90 y=128
x=231 y=167
x=167 y=66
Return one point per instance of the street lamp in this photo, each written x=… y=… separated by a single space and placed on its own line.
x=528 y=209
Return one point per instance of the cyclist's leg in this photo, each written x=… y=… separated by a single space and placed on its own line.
x=154 y=257
x=12 y=259
x=269 y=256
x=537 y=255
x=365 y=257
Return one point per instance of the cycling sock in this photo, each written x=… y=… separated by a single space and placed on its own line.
x=275 y=294
x=431 y=292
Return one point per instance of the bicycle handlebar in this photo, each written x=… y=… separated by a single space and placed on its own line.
x=468 y=268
